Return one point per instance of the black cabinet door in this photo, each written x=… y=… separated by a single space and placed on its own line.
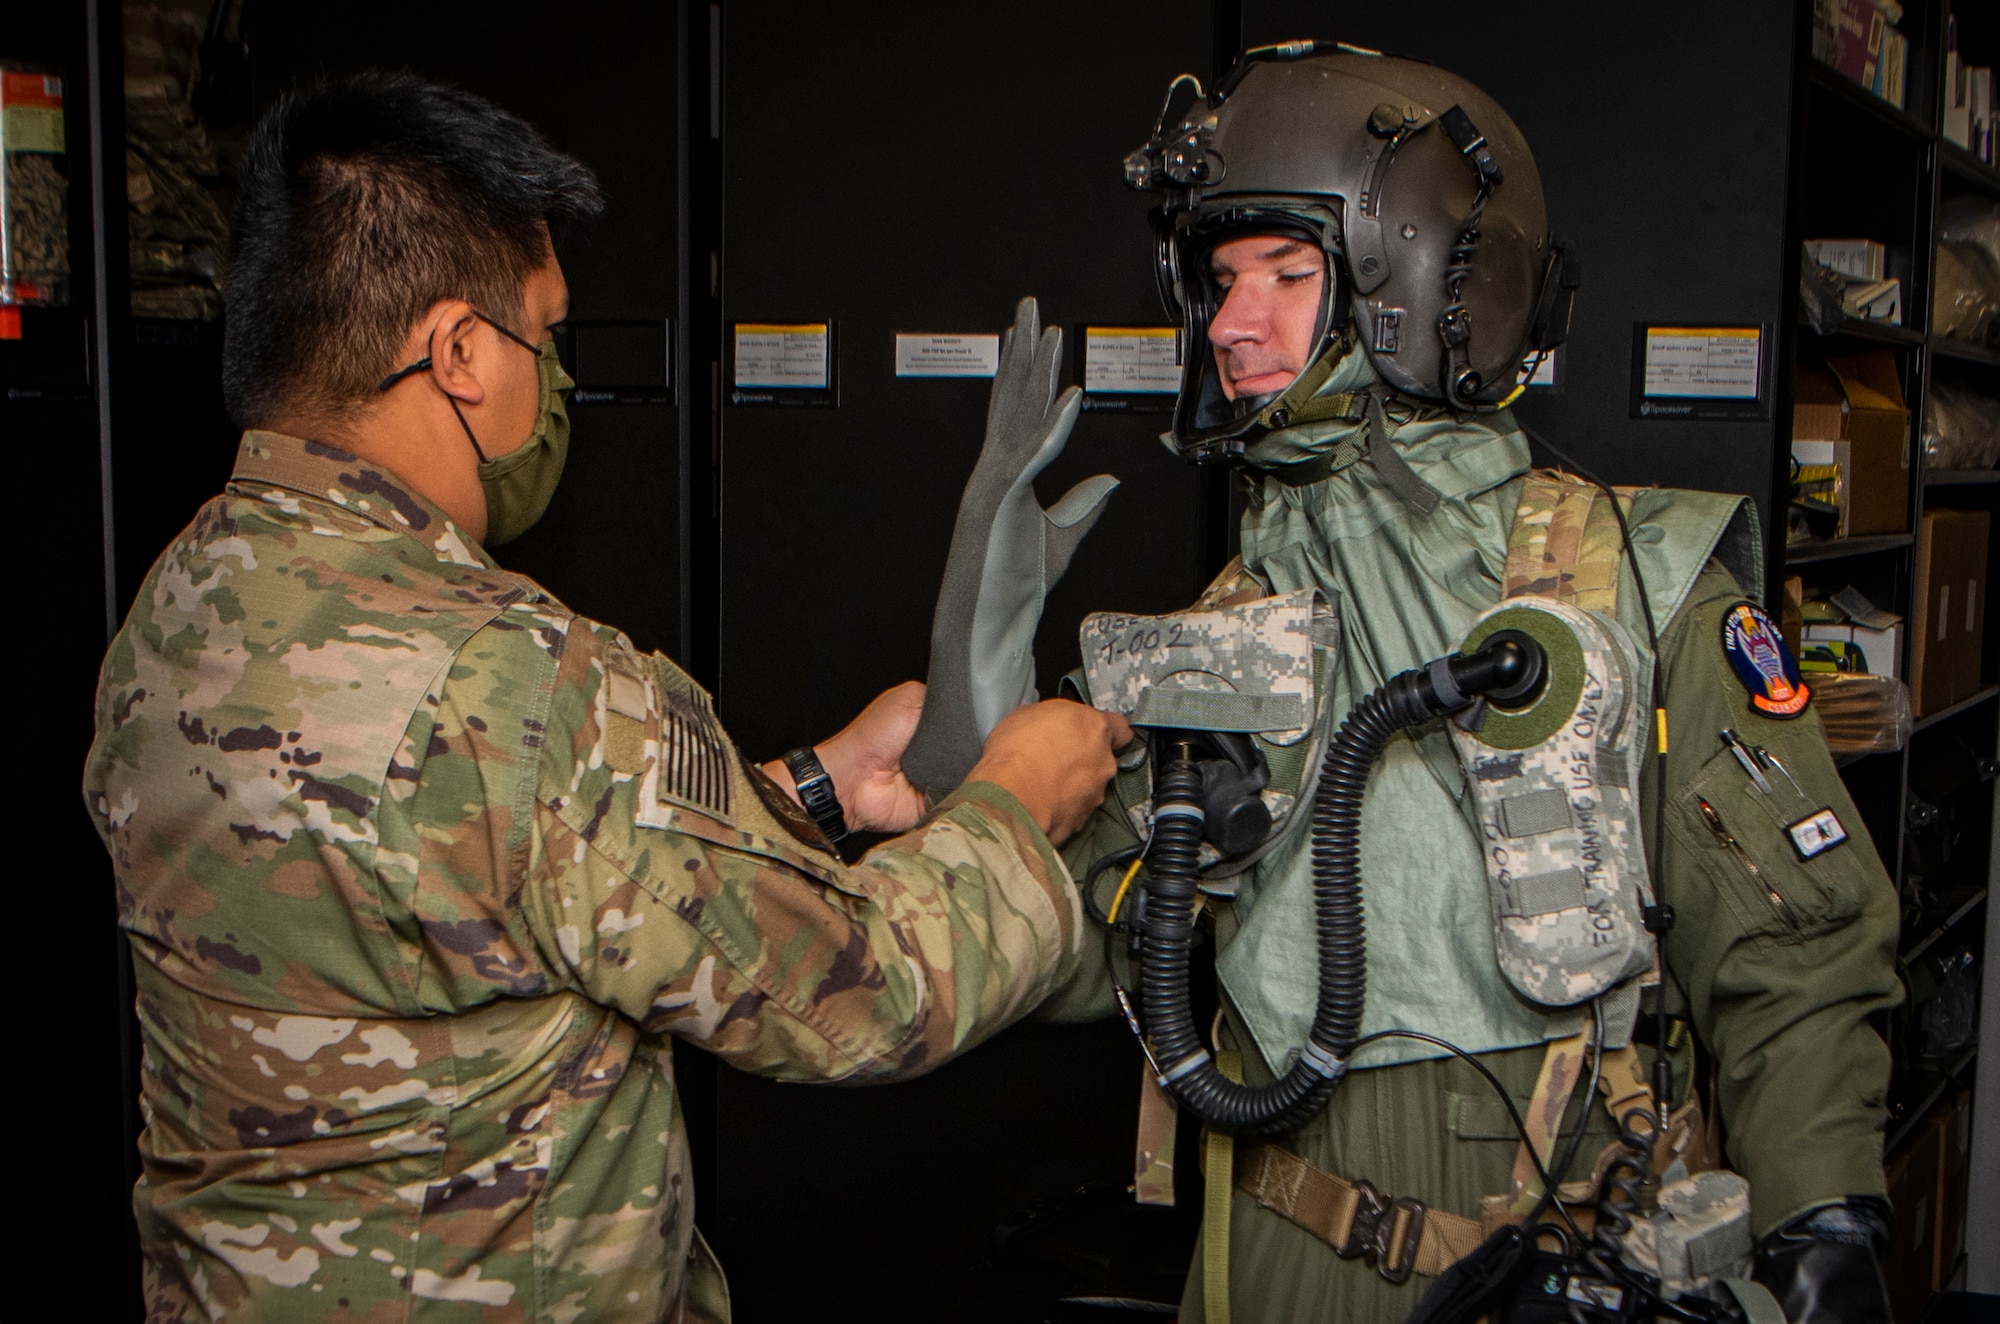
x=905 y=168
x=600 y=82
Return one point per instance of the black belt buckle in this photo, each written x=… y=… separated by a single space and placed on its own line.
x=1369 y=1206
x=1394 y=1262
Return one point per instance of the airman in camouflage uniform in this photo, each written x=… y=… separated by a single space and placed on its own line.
x=421 y=872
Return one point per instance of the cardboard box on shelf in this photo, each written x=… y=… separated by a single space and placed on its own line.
x=1859 y=259
x=1979 y=103
x=1957 y=126
x=1874 y=300
x=1851 y=415
x=1913 y=1172
x=1948 y=627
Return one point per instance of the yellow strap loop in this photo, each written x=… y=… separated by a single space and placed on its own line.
x=1220 y=1176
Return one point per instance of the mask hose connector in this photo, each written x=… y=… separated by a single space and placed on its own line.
x=1507 y=665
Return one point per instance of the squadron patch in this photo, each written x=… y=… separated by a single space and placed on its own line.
x=1758 y=656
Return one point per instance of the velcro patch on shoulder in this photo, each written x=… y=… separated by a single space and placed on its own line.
x=693 y=768
x=667 y=736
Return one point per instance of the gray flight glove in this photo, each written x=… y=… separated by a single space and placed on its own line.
x=1006 y=552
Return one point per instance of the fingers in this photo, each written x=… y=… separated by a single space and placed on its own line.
x=1057 y=424
x=1055 y=757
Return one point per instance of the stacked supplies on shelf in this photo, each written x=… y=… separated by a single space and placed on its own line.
x=1868 y=292
x=1968 y=100
x=1850 y=447
x=1846 y=634
x=1851 y=654
x=1965 y=298
x=1859 y=39
x=1961 y=429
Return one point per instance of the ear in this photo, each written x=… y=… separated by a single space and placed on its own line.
x=451 y=346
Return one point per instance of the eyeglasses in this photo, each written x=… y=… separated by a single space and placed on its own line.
x=423 y=364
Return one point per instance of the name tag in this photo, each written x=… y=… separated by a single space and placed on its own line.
x=1816 y=834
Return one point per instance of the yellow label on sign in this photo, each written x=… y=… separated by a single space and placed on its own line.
x=31 y=129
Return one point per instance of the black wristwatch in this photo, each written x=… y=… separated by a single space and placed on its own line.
x=816 y=792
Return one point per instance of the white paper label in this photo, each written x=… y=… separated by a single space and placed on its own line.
x=781 y=356
x=1130 y=360
x=1711 y=361
x=946 y=356
x=1545 y=371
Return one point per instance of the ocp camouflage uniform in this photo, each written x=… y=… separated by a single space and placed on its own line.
x=422 y=872
x=1778 y=969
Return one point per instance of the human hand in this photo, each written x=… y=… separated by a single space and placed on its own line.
x=866 y=763
x=1055 y=758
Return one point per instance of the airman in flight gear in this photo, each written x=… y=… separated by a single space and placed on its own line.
x=1555 y=891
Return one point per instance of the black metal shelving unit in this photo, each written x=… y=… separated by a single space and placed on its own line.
x=1841 y=133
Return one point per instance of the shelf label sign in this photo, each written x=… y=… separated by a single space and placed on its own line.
x=1713 y=362
x=1131 y=360
x=786 y=356
x=1694 y=371
x=921 y=354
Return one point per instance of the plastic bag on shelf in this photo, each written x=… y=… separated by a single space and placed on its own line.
x=1965 y=304
x=1961 y=429
x=1862 y=713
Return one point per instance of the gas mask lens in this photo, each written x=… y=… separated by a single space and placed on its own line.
x=1257 y=289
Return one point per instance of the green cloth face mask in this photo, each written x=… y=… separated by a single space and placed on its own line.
x=517 y=485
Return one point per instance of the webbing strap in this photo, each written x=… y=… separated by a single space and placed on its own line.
x=1153 y=1153
x=1327 y=1206
x=1411 y=490
x=1759 y=1306
x=1562 y=1067
x=1220 y=1173
x=1564 y=543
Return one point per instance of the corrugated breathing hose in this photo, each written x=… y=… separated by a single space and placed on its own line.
x=1509 y=667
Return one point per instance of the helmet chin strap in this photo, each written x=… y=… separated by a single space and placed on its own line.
x=1302 y=403
x=1296 y=404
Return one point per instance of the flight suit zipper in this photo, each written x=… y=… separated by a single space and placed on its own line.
x=1728 y=841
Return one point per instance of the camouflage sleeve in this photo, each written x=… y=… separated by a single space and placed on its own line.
x=1783 y=959
x=669 y=879
x=1088 y=993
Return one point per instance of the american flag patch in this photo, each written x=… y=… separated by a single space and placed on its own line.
x=694 y=758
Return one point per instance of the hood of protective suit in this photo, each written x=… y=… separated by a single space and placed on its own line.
x=1409 y=584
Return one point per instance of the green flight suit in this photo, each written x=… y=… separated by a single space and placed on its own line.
x=422 y=875
x=1781 y=969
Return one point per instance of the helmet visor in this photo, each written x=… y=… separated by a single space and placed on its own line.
x=1259 y=290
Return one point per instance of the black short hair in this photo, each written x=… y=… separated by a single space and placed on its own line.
x=364 y=200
